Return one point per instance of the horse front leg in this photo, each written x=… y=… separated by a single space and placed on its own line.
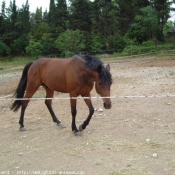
x=91 y=112
x=74 y=113
x=29 y=93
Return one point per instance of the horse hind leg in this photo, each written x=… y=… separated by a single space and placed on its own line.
x=48 y=102
x=30 y=90
x=21 y=120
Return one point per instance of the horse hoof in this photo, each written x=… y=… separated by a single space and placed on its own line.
x=22 y=129
x=60 y=125
x=81 y=127
x=77 y=133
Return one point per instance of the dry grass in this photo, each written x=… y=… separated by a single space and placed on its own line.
x=130 y=171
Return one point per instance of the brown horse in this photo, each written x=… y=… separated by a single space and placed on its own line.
x=75 y=75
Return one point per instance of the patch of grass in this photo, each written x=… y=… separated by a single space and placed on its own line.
x=10 y=164
x=169 y=132
x=171 y=163
x=8 y=66
x=171 y=73
x=73 y=153
x=120 y=145
x=130 y=170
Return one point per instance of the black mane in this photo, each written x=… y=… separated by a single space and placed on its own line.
x=92 y=63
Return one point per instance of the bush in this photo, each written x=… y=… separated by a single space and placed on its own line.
x=116 y=42
x=166 y=47
x=97 y=43
x=149 y=43
x=19 y=45
x=138 y=49
x=70 y=42
x=34 y=49
x=4 y=49
x=130 y=50
x=48 y=46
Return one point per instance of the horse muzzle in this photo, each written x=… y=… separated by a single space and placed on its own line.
x=107 y=105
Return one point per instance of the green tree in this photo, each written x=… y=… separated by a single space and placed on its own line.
x=70 y=42
x=145 y=25
x=22 y=29
x=138 y=29
x=126 y=12
x=80 y=15
x=39 y=25
x=38 y=16
x=61 y=15
x=51 y=14
x=45 y=16
x=95 y=16
x=9 y=29
x=19 y=45
x=36 y=19
x=150 y=20
x=139 y=4
x=162 y=8
x=40 y=30
x=2 y=19
x=14 y=14
x=116 y=43
x=103 y=12
x=48 y=45
x=167 y=28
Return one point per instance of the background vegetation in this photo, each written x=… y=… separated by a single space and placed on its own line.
x=83 y=26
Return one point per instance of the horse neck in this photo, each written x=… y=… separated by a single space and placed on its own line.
x=92 y=75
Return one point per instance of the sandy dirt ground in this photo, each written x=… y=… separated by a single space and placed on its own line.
x=136 y=136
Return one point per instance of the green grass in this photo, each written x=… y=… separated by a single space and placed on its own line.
x=171 y=73
x=12 y=65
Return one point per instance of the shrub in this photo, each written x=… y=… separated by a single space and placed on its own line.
x=34 y=48
x=4 y=49
x=70 y=42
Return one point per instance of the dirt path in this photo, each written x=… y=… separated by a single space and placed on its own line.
x=137 y=136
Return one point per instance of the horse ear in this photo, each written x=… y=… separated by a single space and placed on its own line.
x=108 y=67
x=99 y=69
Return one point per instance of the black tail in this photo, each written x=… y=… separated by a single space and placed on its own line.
x=21 y=89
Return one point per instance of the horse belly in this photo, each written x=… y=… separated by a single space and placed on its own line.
x=57 y=84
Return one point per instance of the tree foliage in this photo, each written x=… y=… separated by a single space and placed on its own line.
x=4 y=49
x=143 y=27
x=74 y=26
x=34 y=48
x=70 y=42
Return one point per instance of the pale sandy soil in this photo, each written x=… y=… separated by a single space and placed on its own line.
x=136 y=136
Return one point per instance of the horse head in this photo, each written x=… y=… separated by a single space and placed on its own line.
x=103 y=85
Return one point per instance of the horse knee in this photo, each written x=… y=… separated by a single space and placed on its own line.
x=47 y=102
x=24 y=105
